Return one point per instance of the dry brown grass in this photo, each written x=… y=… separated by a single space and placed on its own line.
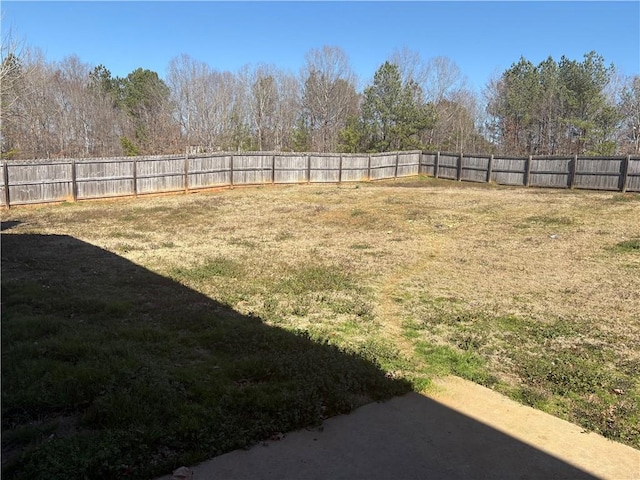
x=417 y=260
x=540 y=253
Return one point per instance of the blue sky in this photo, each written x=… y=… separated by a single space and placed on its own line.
x=483 y=38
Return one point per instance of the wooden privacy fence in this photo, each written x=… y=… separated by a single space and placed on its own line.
x=41 y=181
x=590 y=173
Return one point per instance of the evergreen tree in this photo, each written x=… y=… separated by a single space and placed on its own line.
x=394 y=114
x=555 y=107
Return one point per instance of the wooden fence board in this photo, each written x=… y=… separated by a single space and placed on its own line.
x=474 y=168
x=325 y=169
x=509 y=170
x=252 y=169
x=383 y=166
x=448 y=166
x=207 y=172
x=36 y=183
x=634 y=166
x=291 y=168
x=633 y=175
x=429 y=164
x=4 y=200
x=408 y=164
x=100 y=179
x=550 y=172
x=599 y=173
x=160 y=175
x=355 y=168
x=600 y=165
x=633 y=184
x=549 y=180
x=41 y=181
x=105 y=188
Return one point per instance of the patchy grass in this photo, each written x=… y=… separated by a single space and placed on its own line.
x=110 y=370
x=625 y=197
x=212 y=267
x=141 y=334
x=361 y=246
x=628 y=246
x=549 y=220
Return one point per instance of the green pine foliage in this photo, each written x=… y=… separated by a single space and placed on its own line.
x=555 y=107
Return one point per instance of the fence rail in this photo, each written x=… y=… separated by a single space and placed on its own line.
x=41 y=181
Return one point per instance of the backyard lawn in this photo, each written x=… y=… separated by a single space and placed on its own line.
x=143 y=334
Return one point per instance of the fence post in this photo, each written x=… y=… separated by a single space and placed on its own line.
x=74 y=182
x=5 y=174
x=340 y=170
x=395 y=173
x=420 y=163
x=231 y=171
x=186 y=171
x=308 y=168
x=527 y=171
x=490 y=168
x=369 y=169
x=572 y=173
x=460 y=167
x=135 y=177
x=436 y=167
x=273 y=169
x=624 y=177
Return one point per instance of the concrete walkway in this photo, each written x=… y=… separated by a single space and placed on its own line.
x=463 y=431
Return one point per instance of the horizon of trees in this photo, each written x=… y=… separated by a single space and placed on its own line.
x=72 y=109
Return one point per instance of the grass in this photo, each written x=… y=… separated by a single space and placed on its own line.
x=117 y=371
x=628 y=246
x=212 y=267
x=144 y=334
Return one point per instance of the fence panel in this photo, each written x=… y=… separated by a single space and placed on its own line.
x=408 y=164
x=448 y=166
x=40 y=182
x=550 y=172
x=3 y=191
x=105 y=178
x=205 y=172
x=355 y=168
x=325 y=168
x=291 y=168
x=429 y=164
x=633 y=175
x=160 y=175
x=474 y=168
x=383 y=166
x=599 y=173
x=509 y=170
x=252 y=169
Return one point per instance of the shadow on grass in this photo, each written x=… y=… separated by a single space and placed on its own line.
x=8 y=225
x=112 y=371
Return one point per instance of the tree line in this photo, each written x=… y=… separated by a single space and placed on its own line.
x=564 y=107
x=72 y=109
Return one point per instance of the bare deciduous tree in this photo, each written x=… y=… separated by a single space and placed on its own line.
x=410 y=66
x=287 y=110
x=205 y=102
x=629 y=108
x=261 y=95
x=443 y=78
x=329 y=95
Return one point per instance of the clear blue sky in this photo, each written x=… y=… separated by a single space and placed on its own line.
x=483 y=38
